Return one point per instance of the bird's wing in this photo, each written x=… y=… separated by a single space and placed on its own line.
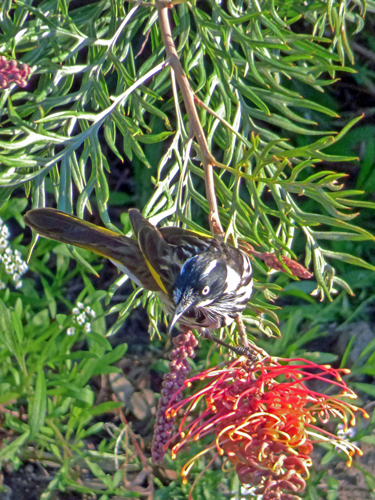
x=188 y=242
x=160 y=256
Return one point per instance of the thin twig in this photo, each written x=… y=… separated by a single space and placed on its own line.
x=195 y=125
x=144 y=43
x=222 y=120
x=118 y=443
x=149 y=491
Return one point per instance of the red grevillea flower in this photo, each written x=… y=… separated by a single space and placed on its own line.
x=262 y=417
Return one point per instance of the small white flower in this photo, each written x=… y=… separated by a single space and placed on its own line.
x=248 y=493
x=2 y=285
x=12 y=259
x=81 y=315
x=10 y=268
x=71 y=331
x=3 y=242
x=81 y=319
x=24 y=267
x=348 y=433
x=4 y=231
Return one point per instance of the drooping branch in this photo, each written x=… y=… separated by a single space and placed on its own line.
x=194 y=122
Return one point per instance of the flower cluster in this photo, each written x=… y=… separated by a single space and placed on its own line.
x=271 y=261
x=4 y=235
x=294 y=267
x=179 y=368
x=11 y=259
x=12 y=72
x=81 y=315
x=262 y=417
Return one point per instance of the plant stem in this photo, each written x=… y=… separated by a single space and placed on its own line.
x=194 y=122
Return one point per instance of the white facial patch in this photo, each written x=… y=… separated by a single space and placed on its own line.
x=233 y=280
x=209 y=268
x=204 y=303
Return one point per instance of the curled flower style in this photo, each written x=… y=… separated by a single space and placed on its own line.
x=263 y=418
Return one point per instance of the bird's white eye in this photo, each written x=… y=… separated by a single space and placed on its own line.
x=206 y=290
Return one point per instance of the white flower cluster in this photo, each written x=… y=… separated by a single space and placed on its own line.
x=343 y=433
x=11 y=259
x=4 y=235
x=248 y=492
x=81 y=316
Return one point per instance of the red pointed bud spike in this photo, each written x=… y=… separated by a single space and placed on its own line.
x=172 y=384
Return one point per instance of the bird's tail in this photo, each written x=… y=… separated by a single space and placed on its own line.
x=121 y=250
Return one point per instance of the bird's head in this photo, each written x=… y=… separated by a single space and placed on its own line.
x=202 y=280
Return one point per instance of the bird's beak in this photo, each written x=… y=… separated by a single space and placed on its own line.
x=187 y=300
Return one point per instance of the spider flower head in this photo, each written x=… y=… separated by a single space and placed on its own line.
x=265 y=419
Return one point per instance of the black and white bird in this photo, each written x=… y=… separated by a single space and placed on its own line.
x=202 y=283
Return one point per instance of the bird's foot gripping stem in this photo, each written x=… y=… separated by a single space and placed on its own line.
x=251 y=351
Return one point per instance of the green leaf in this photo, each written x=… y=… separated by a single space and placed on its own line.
x=99 y=339
x=9 y=450
x=39 y=404
x=80 y=394
x=114 y=356
x=93 y=429
x=328 y=457
x=98 y=472
x=106 y=407
x=7 y=397
x=350 y=259
x=153 y=138
x=366 y=388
